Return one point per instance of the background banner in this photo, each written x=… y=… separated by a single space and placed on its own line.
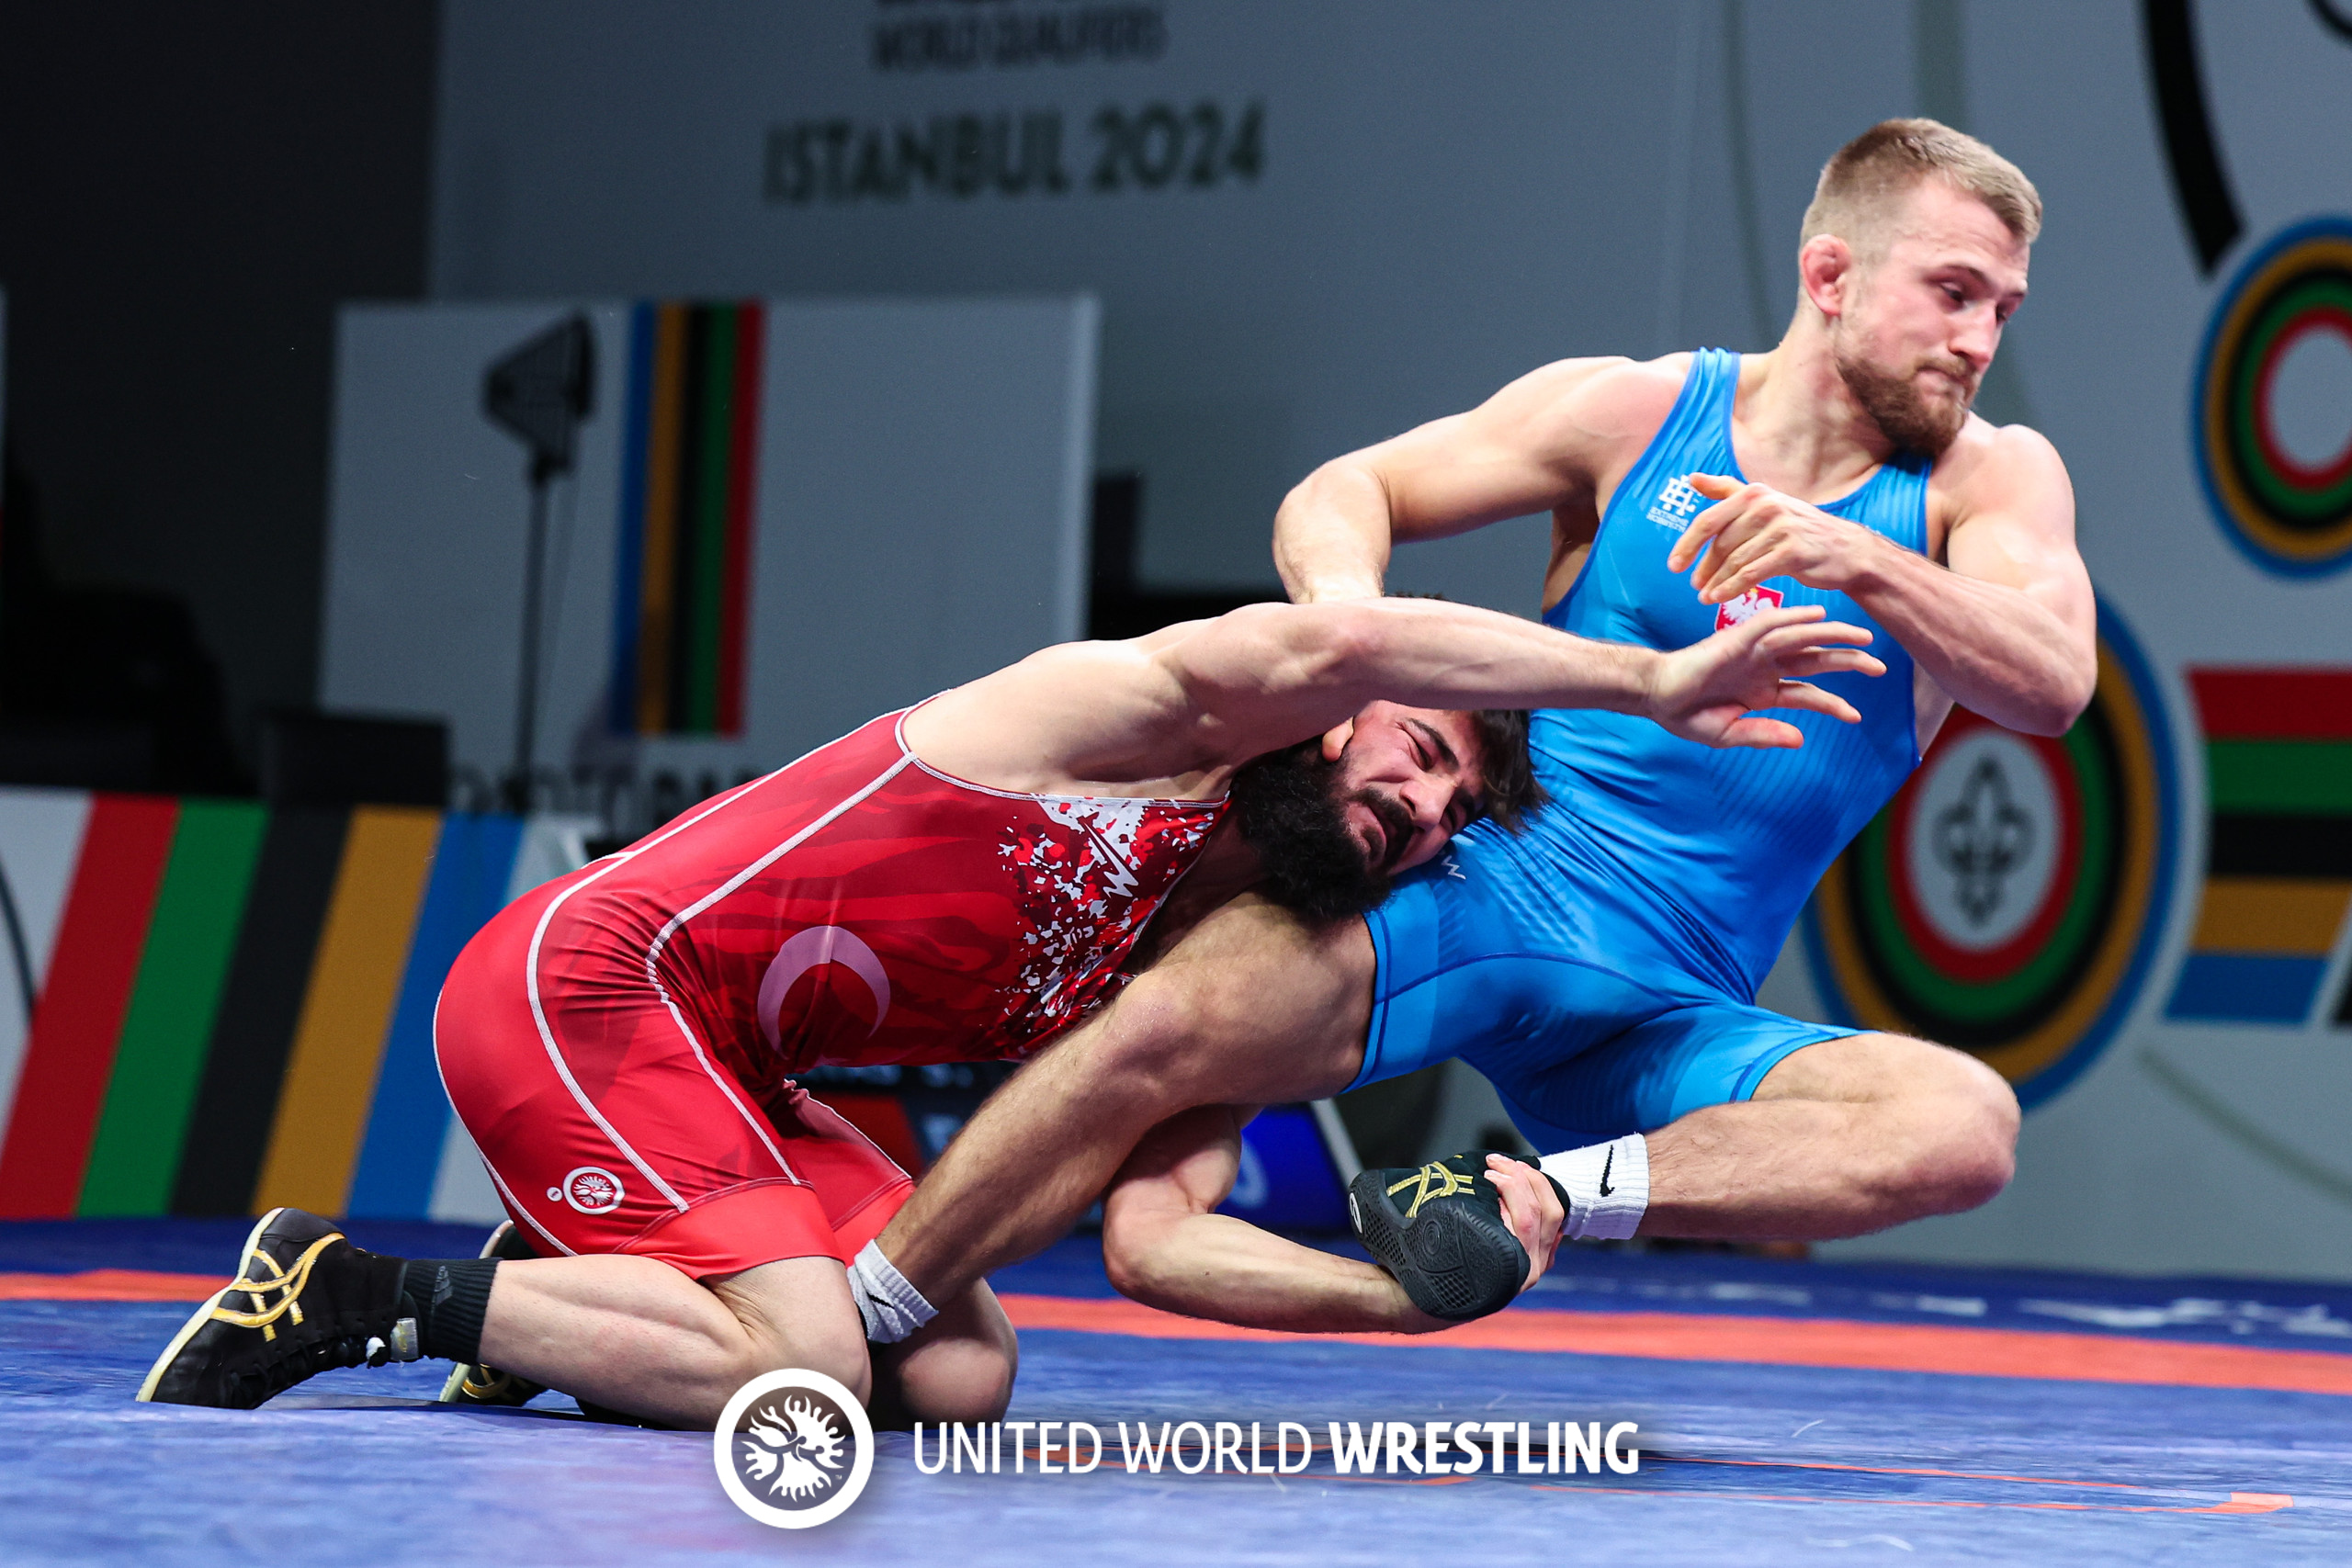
x=785 y=517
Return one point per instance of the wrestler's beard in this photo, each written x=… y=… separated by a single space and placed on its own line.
x=1289 y=809
x=1903 y=414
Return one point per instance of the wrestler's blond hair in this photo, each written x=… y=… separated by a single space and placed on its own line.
x=1862 y=184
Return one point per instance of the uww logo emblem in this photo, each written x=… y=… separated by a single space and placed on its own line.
x=799 y=1454
x=1980 y=838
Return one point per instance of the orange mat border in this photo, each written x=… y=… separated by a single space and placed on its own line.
x=1774 y=1342
x=1649 y=1336
x=108 y=1285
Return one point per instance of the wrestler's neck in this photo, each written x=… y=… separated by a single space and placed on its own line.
x=1795 y=424
x=1228 y=866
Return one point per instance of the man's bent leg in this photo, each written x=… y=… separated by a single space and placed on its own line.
x=1252 y=1006
x=640 y=1336
x=1842 y=1138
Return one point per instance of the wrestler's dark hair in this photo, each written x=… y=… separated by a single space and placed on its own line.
x=1512 y=793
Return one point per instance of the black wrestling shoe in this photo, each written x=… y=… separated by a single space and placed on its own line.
x=304 y=1300
x=1440 y=1229
x=488 y=1385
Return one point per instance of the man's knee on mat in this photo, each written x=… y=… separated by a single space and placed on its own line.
x=794 y=1315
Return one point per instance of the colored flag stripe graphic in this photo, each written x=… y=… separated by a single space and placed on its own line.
x=246 y=1065
x=689 y=469
x=2278 y=857
x=347 y=1005
x=408 y=1114
x=76 y=1023
x=159 y=1057
x=236 y=1008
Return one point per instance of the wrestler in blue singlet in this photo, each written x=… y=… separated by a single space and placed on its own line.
x=1600 y=967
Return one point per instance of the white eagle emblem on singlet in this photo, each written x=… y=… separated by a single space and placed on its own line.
x=1733 y=612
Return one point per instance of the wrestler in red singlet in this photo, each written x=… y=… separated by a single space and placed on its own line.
x=621 y=1042
x=618 y=1042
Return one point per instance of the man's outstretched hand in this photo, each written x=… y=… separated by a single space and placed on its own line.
x=1710 y=691
x=1532 y=1209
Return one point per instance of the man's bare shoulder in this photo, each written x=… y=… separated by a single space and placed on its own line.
x=1605 y=385
x=1088 y=717
x=1991 y=464
x=1584 y=412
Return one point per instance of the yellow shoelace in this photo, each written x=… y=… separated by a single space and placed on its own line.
x=1433 y=1181
x=285 y=1283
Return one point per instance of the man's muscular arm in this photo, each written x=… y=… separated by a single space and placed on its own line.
x=2007 y=628
x=1540 y=445
x=1253 y=1005
x=1264 y=676
x=1188 y=701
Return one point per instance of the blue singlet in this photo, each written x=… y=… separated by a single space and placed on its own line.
x=1600 y=967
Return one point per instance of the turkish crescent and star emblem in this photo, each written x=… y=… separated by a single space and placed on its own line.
x=804 y=951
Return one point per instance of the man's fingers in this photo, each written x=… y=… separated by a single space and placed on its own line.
x=1708 y=524
x=1780 y=616
x=1741 y=568
x=1702 y=529
x=1810 y=661
x=1769 y=733
x=1731 y=531
x=1532 y=1207
x=1521 y=1210
x=1769 y=630
x=1813 y=699
x=1801 y=626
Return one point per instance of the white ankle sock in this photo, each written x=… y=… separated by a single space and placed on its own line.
x=1608 y=1186
x=891 y=1307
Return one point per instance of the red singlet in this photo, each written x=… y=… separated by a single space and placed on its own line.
x=618 y=1042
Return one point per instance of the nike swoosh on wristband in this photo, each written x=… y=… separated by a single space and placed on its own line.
x=1605 y=1167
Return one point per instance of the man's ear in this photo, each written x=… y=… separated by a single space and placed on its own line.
x=1336 y=738
x=1825 y=272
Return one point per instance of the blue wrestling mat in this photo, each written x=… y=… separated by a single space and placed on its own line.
x=1787 y=1413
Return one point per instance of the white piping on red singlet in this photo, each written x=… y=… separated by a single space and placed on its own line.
x=496 y=1180
x=653 y=954
x=529 y=1218
x=538 y=1012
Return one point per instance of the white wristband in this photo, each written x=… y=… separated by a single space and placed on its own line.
x=892 y=1308
x=1608 y=1186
